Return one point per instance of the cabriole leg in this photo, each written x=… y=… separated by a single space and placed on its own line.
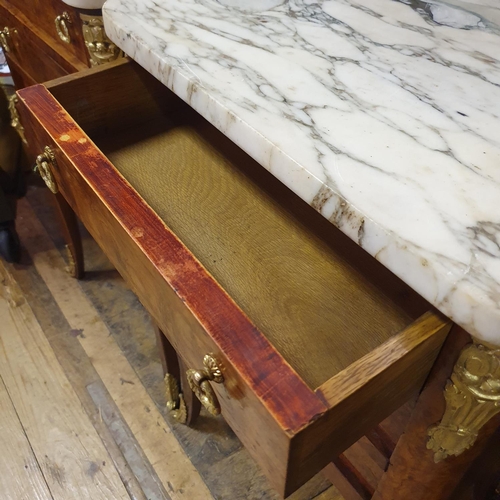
x=71 y=233
x=182 y=404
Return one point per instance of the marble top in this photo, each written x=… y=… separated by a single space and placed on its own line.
x=384 y=115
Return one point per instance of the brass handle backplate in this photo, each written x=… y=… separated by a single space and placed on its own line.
x=62 y=29
x=5 y=37
x=199 y=381
x=44 y=164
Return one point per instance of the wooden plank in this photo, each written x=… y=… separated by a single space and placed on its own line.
x=386 y=435
x=20 y=474
x=368 y=461
x=403 y=351
x=331 y=493
x=395 y=424
x=71 y=356
x=155 y=437
x=381 y=440
x=355 y=478
x=151 y=485
x=340 y=482
x=72 y=458
x=358 y=470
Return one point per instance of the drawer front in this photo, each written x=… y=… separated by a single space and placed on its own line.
x=261 y=398
x=43 y=13
x=26 y=43
x=63 y=24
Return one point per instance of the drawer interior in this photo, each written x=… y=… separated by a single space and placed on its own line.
x=319 y=298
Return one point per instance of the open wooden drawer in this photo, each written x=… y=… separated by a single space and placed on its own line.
x=317 y=341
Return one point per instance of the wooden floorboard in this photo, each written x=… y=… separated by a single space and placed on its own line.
x=70 y=453
x=330 y=494
x=20 y=474
x=75 y=363
x=150 y=483
x=104 y=344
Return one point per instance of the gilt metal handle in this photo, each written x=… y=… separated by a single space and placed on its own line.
x=199 y=381
x=62 y=29
x=44 y=164
x=5 y=36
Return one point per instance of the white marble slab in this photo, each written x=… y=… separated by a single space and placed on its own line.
x=383 y=115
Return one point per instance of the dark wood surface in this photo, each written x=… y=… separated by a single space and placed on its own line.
x=357 y=472
x=42 y=14
x=381 y=440
x=47 y=11
x=482 y=480
x=19 y=75
x=34 y=50
x=355 y=478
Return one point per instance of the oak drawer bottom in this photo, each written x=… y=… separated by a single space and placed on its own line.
x=298 y=286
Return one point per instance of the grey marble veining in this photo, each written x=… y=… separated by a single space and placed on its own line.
x=384 y=115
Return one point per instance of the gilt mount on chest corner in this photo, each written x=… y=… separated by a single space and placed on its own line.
x=472 y=398
x=101 y=49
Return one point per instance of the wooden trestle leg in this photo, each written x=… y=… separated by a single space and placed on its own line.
x=182 y=404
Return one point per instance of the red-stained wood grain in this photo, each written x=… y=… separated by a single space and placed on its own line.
x=220 y=317
x=267 y=398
